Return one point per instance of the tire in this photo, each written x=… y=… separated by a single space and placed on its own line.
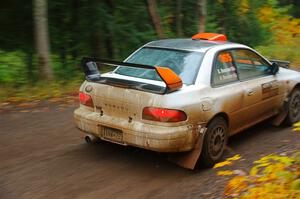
x=214 y=143
x=293 y=107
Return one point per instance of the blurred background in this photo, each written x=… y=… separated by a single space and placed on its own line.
x=42 y=42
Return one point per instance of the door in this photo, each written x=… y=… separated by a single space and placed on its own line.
x=227 y=90
x=262 y=91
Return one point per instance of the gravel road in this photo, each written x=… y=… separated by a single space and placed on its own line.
x=42 y=156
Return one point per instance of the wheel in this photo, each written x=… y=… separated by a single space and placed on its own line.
x=215 y=141
x=293 y=107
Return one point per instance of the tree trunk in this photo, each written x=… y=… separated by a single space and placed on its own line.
x=153 y=12
x=179 y=18
x=42 y=39
x=202 y=6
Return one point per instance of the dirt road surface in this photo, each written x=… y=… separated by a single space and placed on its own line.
x=42 y=156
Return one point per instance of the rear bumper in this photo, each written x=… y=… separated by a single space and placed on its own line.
x=152 y=137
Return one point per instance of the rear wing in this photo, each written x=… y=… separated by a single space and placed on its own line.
x=90 y=67
x=280 y=63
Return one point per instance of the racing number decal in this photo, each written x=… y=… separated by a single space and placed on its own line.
x=270 y=89
x=226 y=69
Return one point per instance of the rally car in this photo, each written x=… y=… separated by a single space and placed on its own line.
x=185 y=96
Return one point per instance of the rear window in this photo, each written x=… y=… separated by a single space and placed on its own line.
x=184 y=63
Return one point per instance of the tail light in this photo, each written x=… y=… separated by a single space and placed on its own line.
x=163 y=115
x=86 y=99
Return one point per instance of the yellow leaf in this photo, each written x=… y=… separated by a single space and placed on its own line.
x=296 y=126
x=296 y=129
x=244 y=6
x=236 y=157
x=254 y=171
x=222 y=164
x=225 y=173
x=236 y=185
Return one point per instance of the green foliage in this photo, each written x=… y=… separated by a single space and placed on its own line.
x=285 y=40
x=12 y=68
x=67 y=70
x=16 y=26
x=114 y=29
x=282 y=52
x=237 y=19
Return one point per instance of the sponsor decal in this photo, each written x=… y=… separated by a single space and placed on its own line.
x=270 y=89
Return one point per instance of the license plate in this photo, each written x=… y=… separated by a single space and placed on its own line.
x=111 y=134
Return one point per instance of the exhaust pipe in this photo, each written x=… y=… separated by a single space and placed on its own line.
x=90 y=138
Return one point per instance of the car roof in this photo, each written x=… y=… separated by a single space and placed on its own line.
x=186 y=44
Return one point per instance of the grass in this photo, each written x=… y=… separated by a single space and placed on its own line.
x=15 y=86
x=42 y=90
x=282 y=52
x=39 y=91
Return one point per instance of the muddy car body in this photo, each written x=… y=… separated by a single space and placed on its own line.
x=228 y=88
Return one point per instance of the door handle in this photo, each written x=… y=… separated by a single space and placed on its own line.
x=250 y=92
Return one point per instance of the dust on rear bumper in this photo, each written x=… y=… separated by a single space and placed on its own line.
x=148 y=136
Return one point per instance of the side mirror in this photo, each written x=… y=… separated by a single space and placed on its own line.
x=274 y=68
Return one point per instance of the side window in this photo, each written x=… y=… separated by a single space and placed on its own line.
x=224 y=70
x=250 y=65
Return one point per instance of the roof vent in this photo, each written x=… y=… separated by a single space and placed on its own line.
x=210 y=37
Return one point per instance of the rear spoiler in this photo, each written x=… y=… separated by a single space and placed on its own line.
x=280 y=63
x=170 y=78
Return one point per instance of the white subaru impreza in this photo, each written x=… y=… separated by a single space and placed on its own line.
x=185 y=96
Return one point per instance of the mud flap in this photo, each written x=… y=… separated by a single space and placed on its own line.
x=279 y=118
x=189 y=159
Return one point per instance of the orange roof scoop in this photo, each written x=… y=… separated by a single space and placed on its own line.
x=209 y=37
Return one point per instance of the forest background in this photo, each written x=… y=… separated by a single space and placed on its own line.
x=42 y=42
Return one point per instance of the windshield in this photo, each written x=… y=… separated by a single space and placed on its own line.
x=184 y=63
